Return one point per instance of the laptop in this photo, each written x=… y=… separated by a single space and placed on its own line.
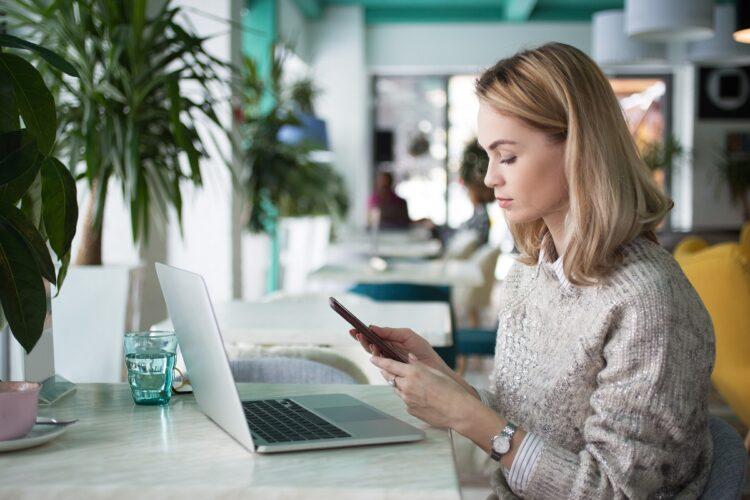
x=305 y=422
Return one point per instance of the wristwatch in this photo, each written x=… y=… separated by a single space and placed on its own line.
x=500 y=444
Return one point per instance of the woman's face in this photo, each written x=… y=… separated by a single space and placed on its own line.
x=526 y=169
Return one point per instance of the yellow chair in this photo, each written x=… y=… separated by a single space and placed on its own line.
x=721 y=276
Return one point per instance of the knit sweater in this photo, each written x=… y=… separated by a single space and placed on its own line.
x=613 y=378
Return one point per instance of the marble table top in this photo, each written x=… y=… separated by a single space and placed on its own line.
x=386 y=236
x=311 y=321
x=119 y=450
x=406 y=250
x=434 y=272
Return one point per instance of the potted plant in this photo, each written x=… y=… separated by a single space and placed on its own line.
x=660 y=156
x=734 y=171
x=38 y=208
x=128 y=124
x=280 y=177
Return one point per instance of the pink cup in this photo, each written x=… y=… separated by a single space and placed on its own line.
x=18 y=406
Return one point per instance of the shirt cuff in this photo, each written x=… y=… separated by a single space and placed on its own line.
x=524 y=462
x=484 y=396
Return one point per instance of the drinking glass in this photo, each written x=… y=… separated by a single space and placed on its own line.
x=149 y=357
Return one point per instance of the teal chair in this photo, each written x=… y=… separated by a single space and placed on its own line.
x=474 y=342
x=409 y=292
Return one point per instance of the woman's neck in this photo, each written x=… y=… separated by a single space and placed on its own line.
x=555 y=223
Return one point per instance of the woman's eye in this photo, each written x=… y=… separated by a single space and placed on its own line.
x=508 y=160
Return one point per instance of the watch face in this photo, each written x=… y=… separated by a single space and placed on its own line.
x=501 y=444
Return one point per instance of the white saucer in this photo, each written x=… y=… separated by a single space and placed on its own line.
x=38 y=435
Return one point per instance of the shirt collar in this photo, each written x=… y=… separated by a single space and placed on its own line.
x=547 y=247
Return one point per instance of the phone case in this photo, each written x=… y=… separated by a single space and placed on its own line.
x=386 y=349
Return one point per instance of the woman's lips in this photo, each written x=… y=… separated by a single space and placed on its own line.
x=504 y=202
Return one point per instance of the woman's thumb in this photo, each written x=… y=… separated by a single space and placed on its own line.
x=412 y=357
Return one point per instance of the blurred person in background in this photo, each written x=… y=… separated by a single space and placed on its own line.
x=385 y=208
x=471 y=172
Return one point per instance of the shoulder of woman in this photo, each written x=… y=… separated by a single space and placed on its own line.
x=649 y=283
x=646 y=268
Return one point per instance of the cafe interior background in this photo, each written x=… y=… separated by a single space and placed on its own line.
x=264 y=189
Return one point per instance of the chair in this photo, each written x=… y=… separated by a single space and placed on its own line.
x=309 y=364
x=410 y=292
x=284 y=370
x=721 y=276
x=462 y=244
x=471 y=301
x=729 y=466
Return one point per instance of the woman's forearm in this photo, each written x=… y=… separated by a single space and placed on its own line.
x=480 y=424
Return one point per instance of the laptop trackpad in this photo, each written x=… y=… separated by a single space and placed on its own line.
x=350 y=413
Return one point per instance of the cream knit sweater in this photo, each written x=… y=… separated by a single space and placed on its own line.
x=614 y=378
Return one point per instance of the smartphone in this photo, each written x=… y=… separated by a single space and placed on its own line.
x=387 y=350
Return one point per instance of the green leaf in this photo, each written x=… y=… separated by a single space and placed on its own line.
x=8 y=108
x=60 y=208
x=62 y=272
x=31 y=205
x=34 y=100
x=22 y=293
x=51 y=57
x=13 y=219
x=14 y=190
x=18 y=153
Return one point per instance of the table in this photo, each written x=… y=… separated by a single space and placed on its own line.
x=389 y=236
x=440 y=272
x=311 y=321
x=399 y=250
x=119 y=450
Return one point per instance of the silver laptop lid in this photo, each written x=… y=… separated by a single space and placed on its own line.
x=201 y=345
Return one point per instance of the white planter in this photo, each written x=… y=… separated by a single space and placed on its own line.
x=256 y=255
x=91 y=314
x=36 y=366
x=304 y=246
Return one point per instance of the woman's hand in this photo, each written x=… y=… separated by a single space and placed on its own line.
x=429 y=394
x=406 y=340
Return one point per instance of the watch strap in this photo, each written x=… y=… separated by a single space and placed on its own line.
x=508 y=431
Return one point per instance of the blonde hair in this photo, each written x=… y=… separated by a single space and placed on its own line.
x=560 y=91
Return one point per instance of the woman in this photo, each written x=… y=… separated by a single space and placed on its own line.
x=603 y=356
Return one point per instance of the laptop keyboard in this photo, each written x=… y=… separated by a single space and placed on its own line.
x=279 y=421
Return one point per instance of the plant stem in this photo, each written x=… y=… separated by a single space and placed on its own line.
x=90 y=251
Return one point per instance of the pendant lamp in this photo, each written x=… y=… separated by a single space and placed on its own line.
x=742 y=28
x=721 y=49
x=669 y=20
x=612 y=47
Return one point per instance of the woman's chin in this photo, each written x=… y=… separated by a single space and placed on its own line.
x=515 y=216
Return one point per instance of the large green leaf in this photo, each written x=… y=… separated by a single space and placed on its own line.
x=22 y=293
x=31 y=205
x=60 y=208
x=8 y=109
x=18 y=153
x=14 y=190
x=34 y=100
x=12 y=219
x=62 y=272
x=49 y=56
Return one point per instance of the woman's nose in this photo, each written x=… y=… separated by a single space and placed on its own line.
x=493 y=177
